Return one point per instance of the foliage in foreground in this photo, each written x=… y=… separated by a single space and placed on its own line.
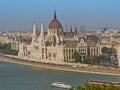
x=96 y=87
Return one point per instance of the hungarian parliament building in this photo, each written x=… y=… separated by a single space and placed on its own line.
x=58 y=46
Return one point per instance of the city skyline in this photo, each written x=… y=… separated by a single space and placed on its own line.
x=21 y=15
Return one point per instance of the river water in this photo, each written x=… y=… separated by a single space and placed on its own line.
x=19 y=77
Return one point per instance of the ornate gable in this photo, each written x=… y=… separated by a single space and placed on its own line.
x=82 y=42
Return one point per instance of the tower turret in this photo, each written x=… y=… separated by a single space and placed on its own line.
x=34 y=33
x=70 y=28
x=41 y=36
x=55 y=17
x=75 y=29
x=42 y=31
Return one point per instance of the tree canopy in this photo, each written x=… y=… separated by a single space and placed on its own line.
x=108 y=50
x=6 y=49
x=76 y=56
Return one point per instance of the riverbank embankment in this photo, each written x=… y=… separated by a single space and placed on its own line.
x=92 y=70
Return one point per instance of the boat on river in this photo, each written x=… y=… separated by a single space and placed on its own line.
x=61 y=85
x=100 y=82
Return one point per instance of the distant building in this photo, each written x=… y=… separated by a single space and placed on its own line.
x=105 y=28
x=4 y=39
x=82 y=29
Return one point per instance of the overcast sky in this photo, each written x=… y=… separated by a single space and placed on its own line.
x=20 y=15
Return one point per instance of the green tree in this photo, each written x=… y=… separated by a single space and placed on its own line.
x=108 y=51
x=6 y=49
x=71 y=89
x=76 y=56
x=104 y=50
x=90 y=59
x=101 y=59
x=87 y=59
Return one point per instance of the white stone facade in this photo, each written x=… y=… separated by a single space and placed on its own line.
x=57 y=46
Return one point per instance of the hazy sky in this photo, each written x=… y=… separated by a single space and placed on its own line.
x=20 y=15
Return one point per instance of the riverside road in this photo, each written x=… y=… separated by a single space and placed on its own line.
x=89 y=69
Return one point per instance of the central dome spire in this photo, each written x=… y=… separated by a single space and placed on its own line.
x=55 y=17
x=55 y=24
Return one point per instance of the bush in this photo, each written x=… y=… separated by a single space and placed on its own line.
x=6 y=49
x=96 y=87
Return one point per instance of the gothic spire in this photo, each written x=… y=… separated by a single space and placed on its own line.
x=55 y=17
x=34 y=33
x=75 y=28
x=70 y=28
x=42 y=30
x=34 y=30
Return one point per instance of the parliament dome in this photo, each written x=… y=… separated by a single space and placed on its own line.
x=55 y=24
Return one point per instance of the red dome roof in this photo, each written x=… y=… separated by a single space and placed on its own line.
x=55 y=24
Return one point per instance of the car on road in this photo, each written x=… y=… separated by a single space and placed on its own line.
x=75 y=65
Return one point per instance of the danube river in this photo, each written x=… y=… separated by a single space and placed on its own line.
x=19 y=77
